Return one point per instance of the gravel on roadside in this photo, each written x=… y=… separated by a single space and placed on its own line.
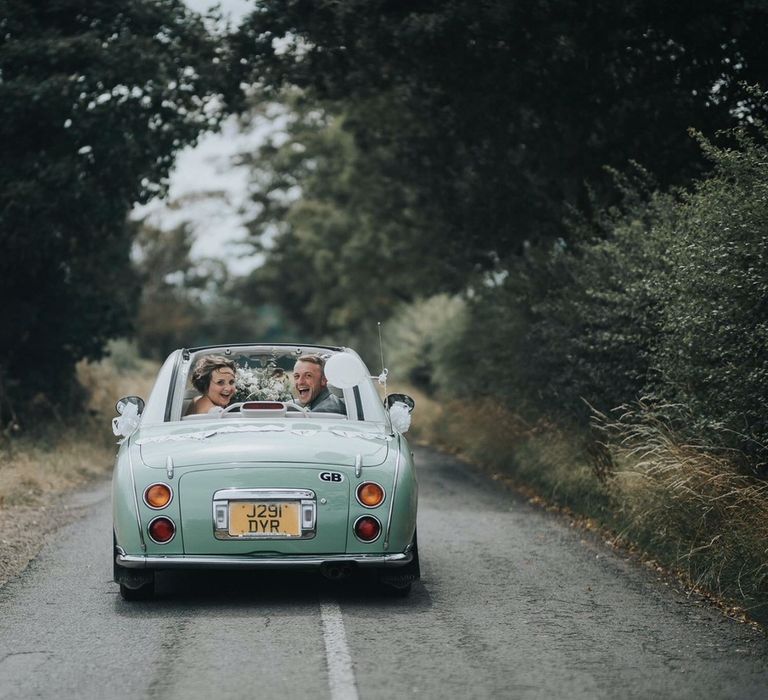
x=23 y=532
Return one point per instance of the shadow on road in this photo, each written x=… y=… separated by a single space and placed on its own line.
x=257 y=590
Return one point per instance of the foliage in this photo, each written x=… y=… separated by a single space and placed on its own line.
x=418 y=334
x=663 y=296
x=572 y=325
x=340 y=234
x=687 y=504
x=94 y=103
x=123 y=355
x=493 y=115
x=54 y=456
x=186 y=302
x=712 y=357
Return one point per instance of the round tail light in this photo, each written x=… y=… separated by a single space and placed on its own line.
x=367 y=528
x=370 y=494
x=161 y=530
x=158 y=496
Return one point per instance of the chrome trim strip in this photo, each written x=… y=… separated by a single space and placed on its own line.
x=358 y=465
x=169 y=467
x=265 y=347
x=172 y=387
x=262 y=494
x=136 y=500
x=184 y=561
x=394 y=493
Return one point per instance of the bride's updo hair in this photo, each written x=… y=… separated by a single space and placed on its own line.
x=201 y=374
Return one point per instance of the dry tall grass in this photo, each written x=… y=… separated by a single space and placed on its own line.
x=542 y=456
x=64 y=453
x=690 y=506
x=685 y=506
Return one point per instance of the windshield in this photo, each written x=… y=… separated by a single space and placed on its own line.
x=225 y=381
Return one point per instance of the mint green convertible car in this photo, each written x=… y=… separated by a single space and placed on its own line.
x=265 y=482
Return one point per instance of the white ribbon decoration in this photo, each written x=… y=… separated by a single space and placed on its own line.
x=400 y=417
x=126 y=423
x=203 y=434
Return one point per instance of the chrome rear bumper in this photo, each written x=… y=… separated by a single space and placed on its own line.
x=182 y=561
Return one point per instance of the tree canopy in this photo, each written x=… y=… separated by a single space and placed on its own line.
x=95 y=101
x=337 y=226
x=186 y=302
x=498 y=117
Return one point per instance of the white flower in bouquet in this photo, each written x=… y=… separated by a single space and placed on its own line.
x=269 y=384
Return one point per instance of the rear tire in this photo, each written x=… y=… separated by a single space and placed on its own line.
x=398 y=582
x=143 y=592
x=135 y=584
x=393 y=591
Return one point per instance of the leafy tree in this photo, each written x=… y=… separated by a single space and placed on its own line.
x=499 y=111
x=187 y=302
x=664 y=297
x=419 y=334
x=171 y=286
x=573 y=322
x=95 y=100
x=340 y=232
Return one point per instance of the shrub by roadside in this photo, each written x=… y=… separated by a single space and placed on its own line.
x=60 y=454
x=662 y=296
x=681 y=505
x=690 y=505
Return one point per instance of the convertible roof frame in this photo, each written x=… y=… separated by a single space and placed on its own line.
x=234 y=346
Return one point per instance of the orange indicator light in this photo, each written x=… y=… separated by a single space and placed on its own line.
x=158 y=495
x=370 y=494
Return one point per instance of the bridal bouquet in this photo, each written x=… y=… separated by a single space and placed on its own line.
x=268 y=384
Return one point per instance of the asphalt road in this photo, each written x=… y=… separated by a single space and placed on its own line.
x=513 y=603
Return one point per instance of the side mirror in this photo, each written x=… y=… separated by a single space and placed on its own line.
x=129 y=409
x=400 y=398
x=400 y=407
x=122 y=404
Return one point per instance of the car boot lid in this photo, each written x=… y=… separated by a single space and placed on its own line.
x=274 y=441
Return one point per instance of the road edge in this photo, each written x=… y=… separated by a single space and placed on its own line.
x=24 y=530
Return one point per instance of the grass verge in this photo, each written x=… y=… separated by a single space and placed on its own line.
x=58 y=456
x=675 y=505
x=63 y=453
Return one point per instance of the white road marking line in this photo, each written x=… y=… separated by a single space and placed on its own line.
x=341 y=676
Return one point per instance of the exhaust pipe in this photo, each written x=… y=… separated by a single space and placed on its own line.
x=336 y=572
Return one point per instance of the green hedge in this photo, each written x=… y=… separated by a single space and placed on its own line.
x=665 y=296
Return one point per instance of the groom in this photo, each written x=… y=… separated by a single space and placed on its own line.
x=311 y=386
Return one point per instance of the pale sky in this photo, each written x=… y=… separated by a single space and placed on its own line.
x=235 y=9
x=217 y=220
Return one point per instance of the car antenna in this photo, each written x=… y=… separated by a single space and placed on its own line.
x=384 y=370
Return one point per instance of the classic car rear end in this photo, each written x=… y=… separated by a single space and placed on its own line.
x=274 y=489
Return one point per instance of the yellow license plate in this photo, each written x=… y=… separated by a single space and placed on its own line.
x=264 y=518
